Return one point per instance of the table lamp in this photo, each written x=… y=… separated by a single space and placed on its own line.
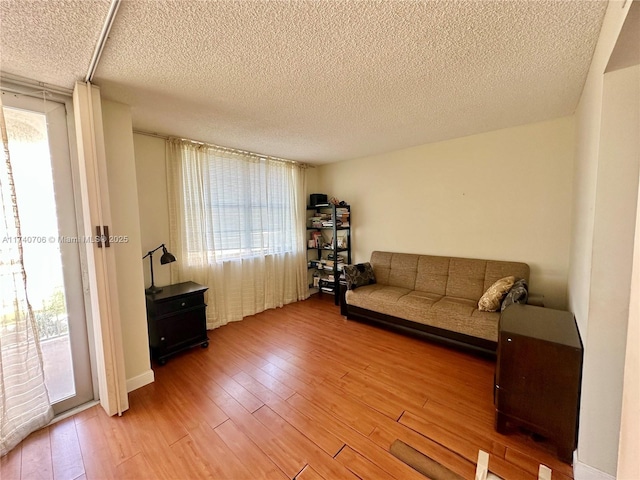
x=164 y=259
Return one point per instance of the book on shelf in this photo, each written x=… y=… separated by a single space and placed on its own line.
x=331 y=263
x=329 y=223
x=317 y=220
x=317 y=239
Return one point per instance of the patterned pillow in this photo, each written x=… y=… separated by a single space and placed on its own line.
x=490 y=301
x=519 y=293
x=359 y=275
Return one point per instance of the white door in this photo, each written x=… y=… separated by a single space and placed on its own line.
x=39 y=149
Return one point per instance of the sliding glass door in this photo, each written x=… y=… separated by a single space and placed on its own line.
x=43 y=177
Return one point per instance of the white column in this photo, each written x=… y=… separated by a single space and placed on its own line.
x=105 y=309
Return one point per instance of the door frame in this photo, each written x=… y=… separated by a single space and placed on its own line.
x=65 y=169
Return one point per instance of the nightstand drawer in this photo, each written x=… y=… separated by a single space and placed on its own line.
x=178 y=305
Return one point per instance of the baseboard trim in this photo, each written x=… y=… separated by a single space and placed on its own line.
x=582 y=471
x=140 y=381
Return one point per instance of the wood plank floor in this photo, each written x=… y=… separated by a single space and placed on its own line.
x=295 y=392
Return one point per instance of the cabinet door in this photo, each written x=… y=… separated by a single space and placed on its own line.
x=514 y=372
x=176 y=332
x=537 y=383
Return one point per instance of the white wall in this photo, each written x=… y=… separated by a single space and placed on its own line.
x=628 y=461
x=502 y=195
x=612 y=258
x=123 y=194
x=588 y=120
x=152 y=202
x=312 y=181
x=602 y=229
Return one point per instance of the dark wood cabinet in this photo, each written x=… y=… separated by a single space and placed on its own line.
x=538 y=374
x=176 y=319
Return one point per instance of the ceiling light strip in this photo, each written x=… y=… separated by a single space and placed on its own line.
x=102 y=39
x=224 y=149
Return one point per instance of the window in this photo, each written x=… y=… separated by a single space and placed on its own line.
x=235 y=206
x=238 y=225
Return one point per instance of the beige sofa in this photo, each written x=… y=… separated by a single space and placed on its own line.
x=433 y=296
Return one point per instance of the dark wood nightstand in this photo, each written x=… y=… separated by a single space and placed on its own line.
x=538 y=374
x=176 y=319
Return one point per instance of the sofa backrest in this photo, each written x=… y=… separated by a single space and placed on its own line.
x=456 y=277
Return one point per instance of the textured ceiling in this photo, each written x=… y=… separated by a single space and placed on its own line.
x=50 y=41
x=318 y=81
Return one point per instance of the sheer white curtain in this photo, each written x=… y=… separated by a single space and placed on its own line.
x=24 y=401
x=237 y=225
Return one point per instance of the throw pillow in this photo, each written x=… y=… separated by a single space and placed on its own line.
x=519 y=293
x=490 y=301
x=359 y=275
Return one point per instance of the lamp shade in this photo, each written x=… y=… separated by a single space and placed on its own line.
x=166 y=256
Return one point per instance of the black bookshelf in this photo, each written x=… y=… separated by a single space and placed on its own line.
x=331 y=225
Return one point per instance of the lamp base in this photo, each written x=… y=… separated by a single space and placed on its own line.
x=152 y=290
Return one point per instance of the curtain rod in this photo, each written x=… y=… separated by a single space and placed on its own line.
x=225 y=149
x=102 y=40
x=24 y=86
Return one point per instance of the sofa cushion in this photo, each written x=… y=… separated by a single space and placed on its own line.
x=363 y=292
x=432 y=274
x=415 y=303
x=518 y=294
x=381 y=262
x=359 y=275
x=403 y=271
x=466 y=278
x=492 y=298
x=460 y=306
x=497 y=270
x=389 y=294
x=380 y=298
x=485 y=325
x=478 y=324
x=461 y=315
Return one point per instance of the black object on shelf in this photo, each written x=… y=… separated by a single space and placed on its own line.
x=176 y=319
x=317 y=199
